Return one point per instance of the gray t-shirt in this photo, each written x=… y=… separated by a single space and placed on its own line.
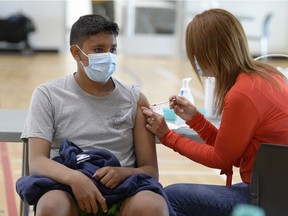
x=61 y=109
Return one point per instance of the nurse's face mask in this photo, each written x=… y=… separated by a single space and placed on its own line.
x=199 y=69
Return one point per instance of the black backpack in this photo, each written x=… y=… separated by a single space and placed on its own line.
x=15 y=28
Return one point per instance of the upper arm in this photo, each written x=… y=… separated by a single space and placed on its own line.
x=144 y=141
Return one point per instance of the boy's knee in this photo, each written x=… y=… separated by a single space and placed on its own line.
x=56 y=203
x=156 y=207
x=145 y=203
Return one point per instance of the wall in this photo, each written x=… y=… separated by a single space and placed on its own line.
x=53 y=19
x=255 y=11
x=48 y=17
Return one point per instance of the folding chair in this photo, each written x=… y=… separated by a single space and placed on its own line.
x=263 y=38
x=269 y=182
x=24 y=207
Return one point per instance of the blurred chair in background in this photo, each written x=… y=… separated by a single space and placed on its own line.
x=264 y=36
x=269 y=182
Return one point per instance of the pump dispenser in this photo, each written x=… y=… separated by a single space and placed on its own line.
x=185 y=91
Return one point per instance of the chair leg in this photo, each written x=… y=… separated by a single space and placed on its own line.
x=25 y=167
x=24 y=207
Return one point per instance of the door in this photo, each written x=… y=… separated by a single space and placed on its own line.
x=150 y=27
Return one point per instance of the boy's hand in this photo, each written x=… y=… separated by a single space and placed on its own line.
x=111 y=177
x=87 y=194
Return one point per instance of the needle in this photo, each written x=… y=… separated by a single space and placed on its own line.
x=163 y=102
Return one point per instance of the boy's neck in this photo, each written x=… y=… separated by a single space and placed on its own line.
x=94 y=88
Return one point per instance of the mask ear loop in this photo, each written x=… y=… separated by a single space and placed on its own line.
x=81 y=50
x=199 y=69
x=82 y=53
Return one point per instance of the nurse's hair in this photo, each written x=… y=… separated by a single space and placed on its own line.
x=217 y=40
x=89 y=25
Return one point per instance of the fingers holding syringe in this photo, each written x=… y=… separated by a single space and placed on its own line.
x=182 y=107
x=177 y=103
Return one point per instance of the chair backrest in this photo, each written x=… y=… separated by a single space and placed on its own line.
x=269 y=183
x=265 y=27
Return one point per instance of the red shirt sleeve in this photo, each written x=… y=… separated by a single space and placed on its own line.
x=224 y=146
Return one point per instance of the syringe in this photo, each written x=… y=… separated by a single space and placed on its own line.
x=160 y=103
x=163 y=102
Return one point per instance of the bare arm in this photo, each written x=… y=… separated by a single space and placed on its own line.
x=145 y=148
x=145 y=152
x=83 y=188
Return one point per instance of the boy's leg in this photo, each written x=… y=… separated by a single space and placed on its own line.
x=56 y=203
x=145 y=203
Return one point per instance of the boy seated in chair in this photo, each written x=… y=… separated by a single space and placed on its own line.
x=94 y=111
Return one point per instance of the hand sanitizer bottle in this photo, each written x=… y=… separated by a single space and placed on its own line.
x=185 y=91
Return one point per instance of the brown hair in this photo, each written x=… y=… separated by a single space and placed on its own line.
x=218 y=42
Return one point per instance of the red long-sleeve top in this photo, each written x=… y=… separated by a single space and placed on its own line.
x=254 y=112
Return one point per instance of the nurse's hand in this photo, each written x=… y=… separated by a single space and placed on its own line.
x=182 y=107
x=155 y=122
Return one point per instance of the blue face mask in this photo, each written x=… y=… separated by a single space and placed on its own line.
x=199 y=70
x=101 y=66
